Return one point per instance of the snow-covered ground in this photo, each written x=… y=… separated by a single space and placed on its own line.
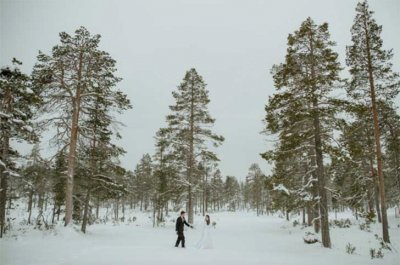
x=239 y=238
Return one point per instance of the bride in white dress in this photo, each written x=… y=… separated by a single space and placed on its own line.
x=205 y=241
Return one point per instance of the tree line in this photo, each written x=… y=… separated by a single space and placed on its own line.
x=335 y=151
x=73 y=90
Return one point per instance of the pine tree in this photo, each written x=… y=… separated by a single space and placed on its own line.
x=35 y=182
x=390 y=124
x=372 y=79
x=144 y=181
x=310 y=72
x=205 y=168
x=59 y=182
x=164 y=174
x=232 y=193
x=70 y=80
x=216 y=190
x=354 y=167
x=17 y=103
x=189 y=124
x=293 y=182
x=97 y=133
x=256 y=181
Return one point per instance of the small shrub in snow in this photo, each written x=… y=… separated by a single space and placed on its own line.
x=310 y=238
x=376 y=254
x=350 y=249
x=372 y=252
x=131 y=220
x=41 y=224
x=383 y=244
x=342 y=223
x=365 y=227
x=379 y=254
x=369 y=218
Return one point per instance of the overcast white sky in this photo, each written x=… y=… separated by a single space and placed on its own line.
x=231 y=43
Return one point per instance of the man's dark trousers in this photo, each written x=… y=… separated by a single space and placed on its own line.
x=181 y=237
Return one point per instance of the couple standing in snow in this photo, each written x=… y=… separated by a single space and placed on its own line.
x=205 y=241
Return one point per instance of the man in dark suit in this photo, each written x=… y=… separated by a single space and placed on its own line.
x=179 y=227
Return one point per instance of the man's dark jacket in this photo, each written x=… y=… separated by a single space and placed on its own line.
x=180 y=222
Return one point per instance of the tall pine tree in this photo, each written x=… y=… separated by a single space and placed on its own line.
x=372 y=79
x=70 y=80
x=17 y=102
x=190 y=124
x=308 y=75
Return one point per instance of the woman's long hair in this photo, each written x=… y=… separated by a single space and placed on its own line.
x=208 y=219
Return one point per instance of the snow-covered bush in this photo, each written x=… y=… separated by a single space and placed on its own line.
x=310 y=238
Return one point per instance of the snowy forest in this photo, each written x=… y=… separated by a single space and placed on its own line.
x=332 y=143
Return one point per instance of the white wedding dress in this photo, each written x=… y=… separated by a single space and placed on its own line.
x=205 y=241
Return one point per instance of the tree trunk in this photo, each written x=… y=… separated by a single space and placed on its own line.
x=189 y=205
x=5 y=145
x=30 y=202
x=40 y=206
x=116 y=209
x=370 y=201
x=375 y=180
x=154 y=214
x=97 y=208
x=323 y=202
x=203 y=201
x=377 y=136
x=53 y=217
x=3 y=186
x=123 y=210
x=58 y=212
x=86 y=212
x=316 y=218
x=3 y=199
x=45 y=202
x=378 y=209
x=310 y=215
x=395 y=136
x=72 y=146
